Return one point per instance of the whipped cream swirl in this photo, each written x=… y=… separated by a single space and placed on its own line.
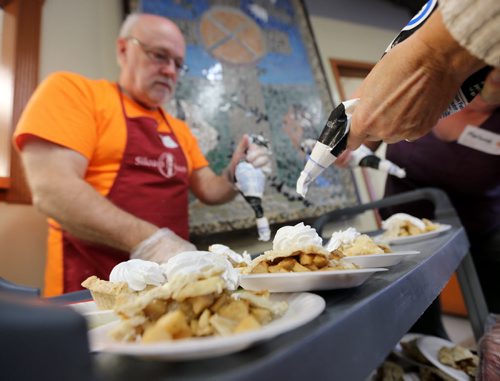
x=234 y=257
x=138 y=274
x=297 y=237
x=341 y=238
x=201 y=264
x=394 y=221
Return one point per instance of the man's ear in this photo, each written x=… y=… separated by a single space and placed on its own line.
x=121 y=49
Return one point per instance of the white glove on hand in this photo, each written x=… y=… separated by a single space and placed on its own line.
x=257 y=155
x=260 y=157
x=161 y=246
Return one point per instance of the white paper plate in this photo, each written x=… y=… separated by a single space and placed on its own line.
x=380 y=260
x=302 y=308
x=414 y=238
x=398 y=349
x=95 y=317
x=429 y=346
x=306 y=281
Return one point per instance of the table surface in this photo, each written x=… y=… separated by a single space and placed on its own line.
x=353 y=335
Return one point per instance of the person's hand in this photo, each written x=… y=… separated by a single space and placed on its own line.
x=161 y=246
x=402 y=98
x=411 y=86
x=342 y=160
x=258 y=156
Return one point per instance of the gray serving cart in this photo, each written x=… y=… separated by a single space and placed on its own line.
x=357 y=330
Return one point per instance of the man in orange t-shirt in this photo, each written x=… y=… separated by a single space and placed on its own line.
x=110 y=168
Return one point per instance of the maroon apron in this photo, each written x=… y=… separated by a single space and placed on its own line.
x=152 y=184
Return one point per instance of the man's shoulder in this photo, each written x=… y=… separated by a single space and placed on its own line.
x=181 y=128
x=67 y=78
x=176 y=121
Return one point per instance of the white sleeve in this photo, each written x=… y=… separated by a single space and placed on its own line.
x=475 y=25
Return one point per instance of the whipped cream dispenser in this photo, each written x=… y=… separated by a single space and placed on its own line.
x=251 y=183
x=333 y=138
x=331 y=143
x=363 y=157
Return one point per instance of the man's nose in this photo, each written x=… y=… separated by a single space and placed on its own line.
x=169 y=68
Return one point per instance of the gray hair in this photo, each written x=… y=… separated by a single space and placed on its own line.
x=128 y=24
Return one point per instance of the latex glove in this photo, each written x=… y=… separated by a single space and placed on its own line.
x=161 y=246
x=343 y=159
x=258 y=156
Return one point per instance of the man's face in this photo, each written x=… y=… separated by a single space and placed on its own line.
x=151 y=59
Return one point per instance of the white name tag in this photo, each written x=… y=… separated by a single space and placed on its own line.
x=168 y=142
x=481 y=140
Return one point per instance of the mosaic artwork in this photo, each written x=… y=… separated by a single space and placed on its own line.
x=253 y=68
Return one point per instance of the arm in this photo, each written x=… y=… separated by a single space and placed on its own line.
x=343 y=159
x=54 y=134
x=210 y=188
x=410 y=87
x=475 y=25
x=55 y=176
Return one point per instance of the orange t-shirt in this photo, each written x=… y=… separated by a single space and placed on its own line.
x=86 y=116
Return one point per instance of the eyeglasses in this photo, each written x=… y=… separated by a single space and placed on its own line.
x=160 y=56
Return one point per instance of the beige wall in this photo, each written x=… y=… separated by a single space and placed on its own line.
x=348 y=41
x=79 y=36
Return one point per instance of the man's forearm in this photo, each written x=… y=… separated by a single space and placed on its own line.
x=212 y=189
x=221 y=189
x=86 y=214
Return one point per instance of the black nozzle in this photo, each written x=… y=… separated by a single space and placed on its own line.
x=256 y=204
x=335 y=127
x=371 y=161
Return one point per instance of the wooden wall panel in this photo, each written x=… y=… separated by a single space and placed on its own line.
x=24 y=32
